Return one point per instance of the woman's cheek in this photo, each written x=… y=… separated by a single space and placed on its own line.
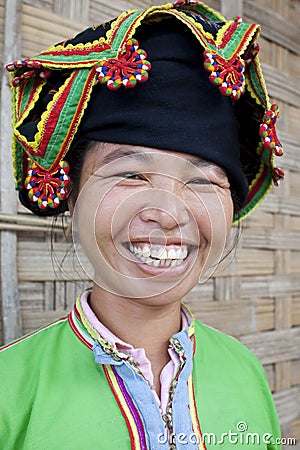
x=109 y=218
x=213 y=213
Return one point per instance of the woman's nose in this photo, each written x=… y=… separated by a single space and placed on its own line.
x=166 y=210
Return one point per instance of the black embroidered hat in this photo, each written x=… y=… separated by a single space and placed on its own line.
x=175 y=77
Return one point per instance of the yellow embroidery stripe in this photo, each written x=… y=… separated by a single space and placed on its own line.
x=123 y=404
x=194 y=415
x=91 y=331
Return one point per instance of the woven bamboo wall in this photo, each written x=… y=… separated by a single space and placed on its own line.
x=257 y=297
x=1 y=29
x=2 y=18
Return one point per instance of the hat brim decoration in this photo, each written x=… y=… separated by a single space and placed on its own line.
x=128 y=69
x=48 y=189
x=52 y=91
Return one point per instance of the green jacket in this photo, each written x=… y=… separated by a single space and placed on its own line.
x=63 y=388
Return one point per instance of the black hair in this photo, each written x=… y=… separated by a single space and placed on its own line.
x=75 y=157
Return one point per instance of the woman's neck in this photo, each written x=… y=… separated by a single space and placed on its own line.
x=139 y=323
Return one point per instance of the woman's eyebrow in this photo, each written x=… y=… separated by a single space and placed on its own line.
x=149 y=158
x=121 y=153
x=199 y=163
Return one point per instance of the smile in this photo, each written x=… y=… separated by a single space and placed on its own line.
x=159 y=256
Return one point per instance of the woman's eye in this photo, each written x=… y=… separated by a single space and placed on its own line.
x=131 y=176
x=202 y=181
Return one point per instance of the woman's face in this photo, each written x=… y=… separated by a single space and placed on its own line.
x=151 y=222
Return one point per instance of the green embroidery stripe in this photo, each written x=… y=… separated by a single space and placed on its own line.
x=123 y=28
x=25 y=91
x=25 y=100
x=73 y=100
x=257 y=197
x=18 y=163
x=239 y=36
x=17 y=158
x=80 y=328
x=267 y=157
x=256 y=85
x=75 y=61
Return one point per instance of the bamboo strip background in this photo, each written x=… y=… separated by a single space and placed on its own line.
x=257 y=297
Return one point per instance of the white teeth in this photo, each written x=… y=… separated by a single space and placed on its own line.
x=184 y=253
x=155 y=253
x=146 y=251
x=160 y=256
x=138 y=251
x=163 y=254
x=173 y=254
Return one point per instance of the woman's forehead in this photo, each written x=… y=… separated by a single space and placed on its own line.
x=103 y=154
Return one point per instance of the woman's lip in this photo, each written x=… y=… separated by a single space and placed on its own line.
x=164 y=242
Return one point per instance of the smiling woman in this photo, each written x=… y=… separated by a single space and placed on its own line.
x=156 y=132
x=145 y=204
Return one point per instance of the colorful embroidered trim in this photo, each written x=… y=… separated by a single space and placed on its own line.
x=129 y=411
x=114 y=59
x=131 y=415
x=185 y=2
x=278 y=175
x=168 y=416
x=78 y=328
x=53 y=139
x=86 y=331
x=228 y=75
x=130 y=67
x=194 y=416
x=47 y=188
x=36 y=69
x=268 y=133
x=251 y=53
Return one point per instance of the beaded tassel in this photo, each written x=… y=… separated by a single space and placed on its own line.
x=228 y=75
x=127 y=69
x=47 y=188
x=268 y=133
